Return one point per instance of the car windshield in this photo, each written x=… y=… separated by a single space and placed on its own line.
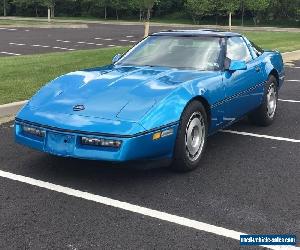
x=200 y=53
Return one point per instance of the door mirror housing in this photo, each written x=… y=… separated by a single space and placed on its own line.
x=116 y=58
x=237 y=65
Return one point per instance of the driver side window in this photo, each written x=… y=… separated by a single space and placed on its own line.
x=237 y=49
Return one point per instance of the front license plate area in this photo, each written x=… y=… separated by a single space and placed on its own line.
x=60 y=144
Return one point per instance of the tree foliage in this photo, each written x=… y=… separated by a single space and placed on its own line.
x=197 y=10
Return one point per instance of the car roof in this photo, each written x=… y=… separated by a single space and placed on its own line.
x=199 y=32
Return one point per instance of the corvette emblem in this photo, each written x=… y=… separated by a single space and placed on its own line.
x=78 y=107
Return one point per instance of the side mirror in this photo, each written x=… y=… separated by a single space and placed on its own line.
x=237 y=65
x=116 y=58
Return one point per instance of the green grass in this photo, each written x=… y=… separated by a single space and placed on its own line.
x=22 y=76
x=282 y=41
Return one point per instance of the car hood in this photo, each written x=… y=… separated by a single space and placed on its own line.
x=112 y=92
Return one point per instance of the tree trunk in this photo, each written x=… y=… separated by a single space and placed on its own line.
x=36 y=11
x=4 y=7
x=147 y=23
x=254 y=20
x=230 y=16
x=49 y=15
x=141 y=13
x=52 y=11
x=243 y=13
x=148 y=14
x=105 y=12
x=117 y=15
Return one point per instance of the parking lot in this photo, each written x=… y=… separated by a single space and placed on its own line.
x=25 y=41
x=248 y=182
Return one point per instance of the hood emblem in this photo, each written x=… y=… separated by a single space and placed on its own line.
x=79 y=107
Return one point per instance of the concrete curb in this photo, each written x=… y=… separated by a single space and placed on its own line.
x=11 y=109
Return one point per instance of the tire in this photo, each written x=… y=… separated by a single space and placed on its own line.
x=191 y=138
x=265 y=114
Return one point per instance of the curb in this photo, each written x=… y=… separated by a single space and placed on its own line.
x=11 y=109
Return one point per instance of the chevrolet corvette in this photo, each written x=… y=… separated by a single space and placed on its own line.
x=160 y=100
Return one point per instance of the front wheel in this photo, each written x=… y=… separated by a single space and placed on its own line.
x=191 y=138
x=265 y=114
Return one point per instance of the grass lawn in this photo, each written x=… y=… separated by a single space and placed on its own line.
x=282 y=41
x=22 y=76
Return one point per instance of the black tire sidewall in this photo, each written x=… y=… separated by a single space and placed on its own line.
x=181 y=162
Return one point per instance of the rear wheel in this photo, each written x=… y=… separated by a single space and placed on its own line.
x=265 y=114
x=191 y=138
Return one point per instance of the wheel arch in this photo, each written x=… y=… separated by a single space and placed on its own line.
x=206 y=105
x=274 y=73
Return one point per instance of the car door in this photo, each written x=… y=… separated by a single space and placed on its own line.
x=243 y=88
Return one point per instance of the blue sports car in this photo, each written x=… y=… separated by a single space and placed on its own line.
x=159 y=101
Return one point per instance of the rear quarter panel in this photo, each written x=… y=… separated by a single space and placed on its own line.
x=273 y=62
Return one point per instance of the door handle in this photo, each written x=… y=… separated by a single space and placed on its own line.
x=257 y=69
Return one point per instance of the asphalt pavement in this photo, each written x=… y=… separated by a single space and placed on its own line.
x=27 y=41
x=245 y=183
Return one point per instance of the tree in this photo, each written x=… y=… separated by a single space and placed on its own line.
x=137 y=5
x=256 y=7
x=118 y=5
x=230 y=7
x=199 y=9
x=4 y=7
x=28 y=4
x=105 y=4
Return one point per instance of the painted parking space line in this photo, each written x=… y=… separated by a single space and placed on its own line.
x=292 y=101
x=123 y=40
x=17 y=44
x=63 y=41
x=61 y=48
x=129 y=36
x=9 y=53
x=182 y=221
x=9 y=29
x=292 y=80
x=260 y=136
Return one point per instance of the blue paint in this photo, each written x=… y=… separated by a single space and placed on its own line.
x=131 y=103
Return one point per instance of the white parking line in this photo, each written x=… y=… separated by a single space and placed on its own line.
x=98 y=38
x=129 y=36
x=8 y=29
x=63 y=48
x=292 y=80
x=123 y=40
x=133 y=41
x=111 y=45
x=292 y=101
x=9 y=53
x=260 y=136
x=108 y=39
x=17 y=44
x=131 y=208
x=63 y=41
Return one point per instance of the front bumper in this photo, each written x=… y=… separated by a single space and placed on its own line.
x=68 y=144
